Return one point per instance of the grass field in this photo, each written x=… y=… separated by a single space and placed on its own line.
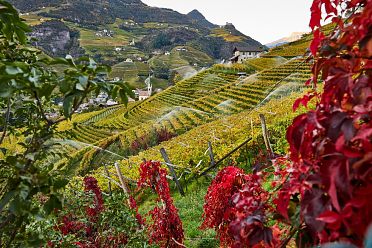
x=135 y=74
x=33 y=19
x=179 y=59
x=221 y=32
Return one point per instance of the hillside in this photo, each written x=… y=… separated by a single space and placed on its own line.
x=272 y=151
x=293 y=37
x=298 y=47
x=219 y=104
x=141 y=22
x=215 y=105
x=209 y=96
x=114 y=31
x=198 y=18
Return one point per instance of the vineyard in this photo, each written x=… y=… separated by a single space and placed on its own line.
x=217 y=105
x=273 y=152
x=211 y=95
x=298 y=47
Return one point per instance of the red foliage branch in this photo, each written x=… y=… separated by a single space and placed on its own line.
x=325 y=186
x=236 y=206
x=166 y=228
x=217 y=201
x=87 y=231
x=90 y=184
x=331 y=147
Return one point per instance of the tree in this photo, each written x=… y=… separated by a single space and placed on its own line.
x=28 y=85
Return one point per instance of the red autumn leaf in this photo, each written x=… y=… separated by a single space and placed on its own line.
x=303 y=101
x=282 y=203
x=316 y=14
x=315 y=43
x=332 y=191
x=345 y=150
x=364 y=134
x=330 y=8
x=329 y=217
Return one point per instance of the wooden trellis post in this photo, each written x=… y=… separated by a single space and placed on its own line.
x=224 y=157
x=211 y=155
x=265 y=135
x=108 y=175
x=172 y=171
x=124 y=185
x=252 y=132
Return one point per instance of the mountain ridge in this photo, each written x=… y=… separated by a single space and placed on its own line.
x=114 y=31
x=198 y=17
x=292 y=37
x=106 y=12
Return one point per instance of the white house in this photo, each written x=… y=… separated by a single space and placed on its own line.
x=242 y=53
x=144 y=94
x=128 y=60
x=101 y=98
x=181 y=49
x=111 y=102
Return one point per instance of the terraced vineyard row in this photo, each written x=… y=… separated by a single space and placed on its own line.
x=206 y=97
x=188 y=150
x=296 y=48
x=185 y=91
x=237 y=97
x=260 y=64
x=102 y=114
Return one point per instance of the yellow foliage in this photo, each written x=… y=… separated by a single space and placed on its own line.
x=221 y=32
x=225 y=134
x=68 y=124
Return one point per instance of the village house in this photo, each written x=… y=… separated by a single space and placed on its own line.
x=242 y=53
x=181 y=49
x=157 y=52
x=111 y=102
x=105 y=33
x=143 y=94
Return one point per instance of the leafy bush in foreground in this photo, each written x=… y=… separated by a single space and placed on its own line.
x=166 y=227
x=92 y=220
x=321 y=193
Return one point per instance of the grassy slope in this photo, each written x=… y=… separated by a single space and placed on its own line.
x=278 y=113
x=225 y=134
x=296 y=48
x=178 y=59
x=260 y=64
x=210 y=95
x=33 y=19
x=226 y=35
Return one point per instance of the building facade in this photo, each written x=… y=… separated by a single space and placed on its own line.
x=240 y=54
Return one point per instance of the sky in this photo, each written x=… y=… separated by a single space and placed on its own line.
x=263 y=20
